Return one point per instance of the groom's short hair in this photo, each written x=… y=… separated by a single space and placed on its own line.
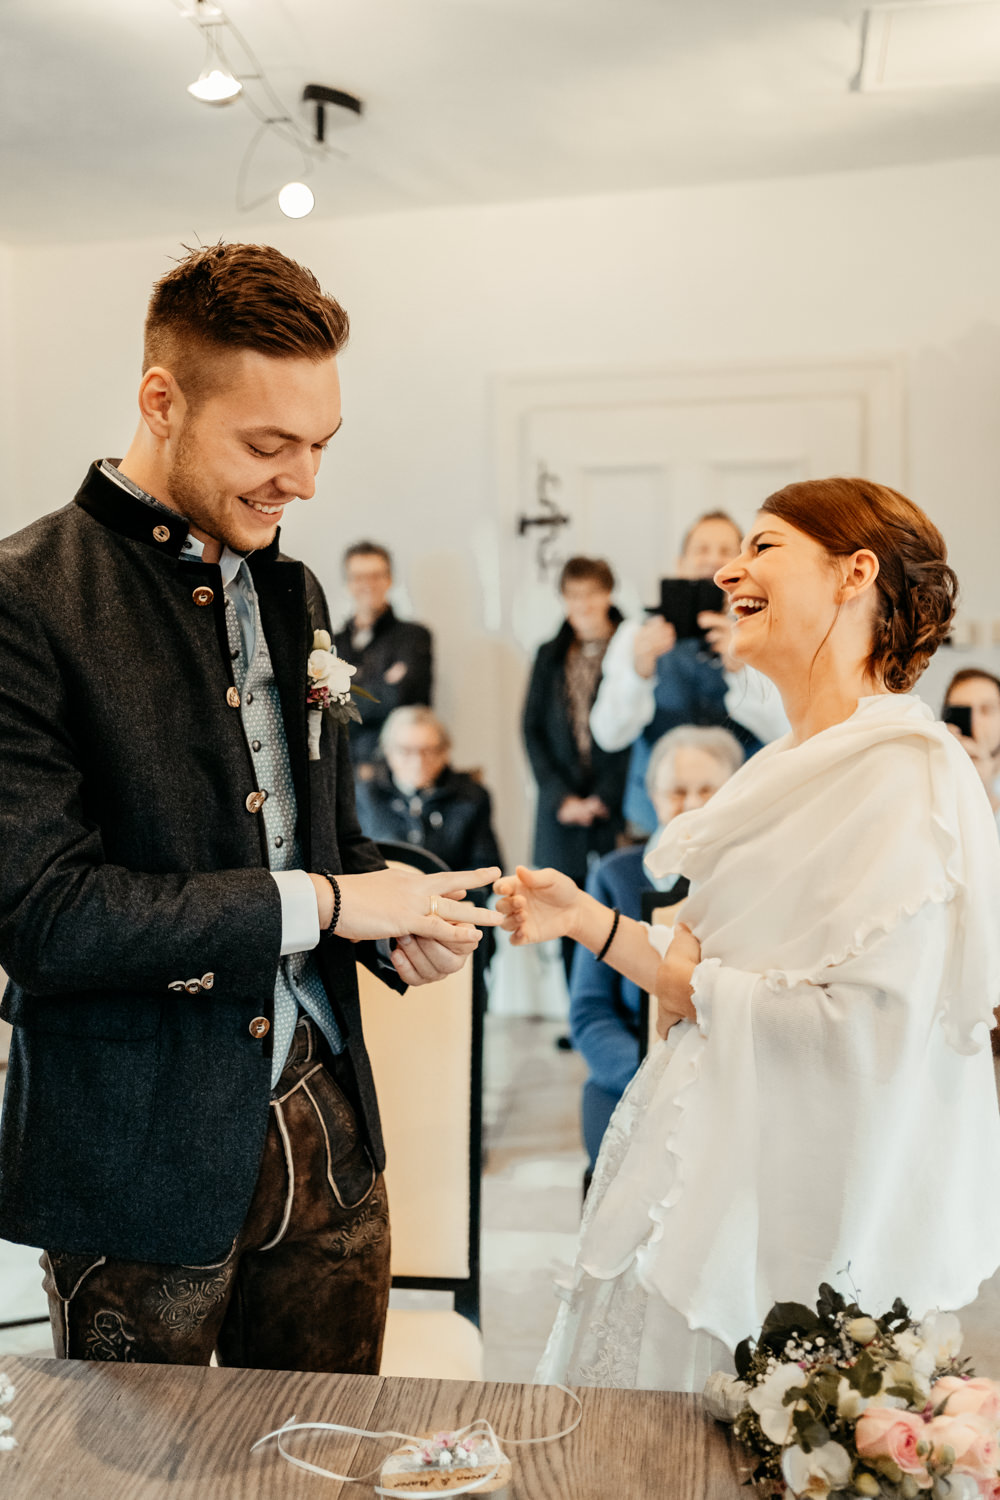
x=221 y=299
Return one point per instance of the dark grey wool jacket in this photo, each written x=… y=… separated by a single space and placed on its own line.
x=135 y=1114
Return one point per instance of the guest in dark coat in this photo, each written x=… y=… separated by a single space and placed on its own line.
x=686 y=767
x=580 y=786
x=393 y=657
x=415 y=797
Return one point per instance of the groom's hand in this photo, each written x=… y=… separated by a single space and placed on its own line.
x=420 y=960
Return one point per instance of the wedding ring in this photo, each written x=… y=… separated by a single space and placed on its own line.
x=434 y=907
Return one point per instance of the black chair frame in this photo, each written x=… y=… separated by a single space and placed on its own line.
x=465 y=1290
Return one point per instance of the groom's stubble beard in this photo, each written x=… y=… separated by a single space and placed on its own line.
x=213 y=512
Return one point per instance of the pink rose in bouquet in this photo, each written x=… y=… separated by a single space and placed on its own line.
x=973 y=1441
x=980 y=1397
x=884 y=1432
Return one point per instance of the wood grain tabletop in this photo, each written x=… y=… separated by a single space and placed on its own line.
x=158 y=1432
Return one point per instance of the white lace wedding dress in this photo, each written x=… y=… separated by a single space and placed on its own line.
x=834 y=1106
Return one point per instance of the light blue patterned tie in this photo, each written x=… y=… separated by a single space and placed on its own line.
x=298 y=981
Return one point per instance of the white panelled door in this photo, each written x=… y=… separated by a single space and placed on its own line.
x=639 y=457
x=634 y=478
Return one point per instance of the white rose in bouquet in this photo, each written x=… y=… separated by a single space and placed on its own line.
x=918 y=1354
x=942 y=1333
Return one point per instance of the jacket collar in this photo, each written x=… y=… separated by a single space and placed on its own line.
x=115 y=508
x=382 y=623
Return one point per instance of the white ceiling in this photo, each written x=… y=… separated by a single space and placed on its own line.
x=467 y=102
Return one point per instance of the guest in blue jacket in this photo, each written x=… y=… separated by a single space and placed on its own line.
x=686 y=767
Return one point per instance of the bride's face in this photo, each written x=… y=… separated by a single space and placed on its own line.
x=783 y=590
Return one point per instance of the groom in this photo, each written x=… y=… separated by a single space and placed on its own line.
x=190 y=1127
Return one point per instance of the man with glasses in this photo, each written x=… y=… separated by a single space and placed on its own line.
x=392 y=656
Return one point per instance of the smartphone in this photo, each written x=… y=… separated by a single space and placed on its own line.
x=682 y=601
x=960 y=715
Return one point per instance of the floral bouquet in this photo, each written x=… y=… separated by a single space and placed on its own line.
x=835 y=1403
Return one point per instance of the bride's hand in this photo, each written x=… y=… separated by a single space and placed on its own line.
x=673 y=979
x=537 y=904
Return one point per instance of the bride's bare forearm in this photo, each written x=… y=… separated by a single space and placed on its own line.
x=631 y=952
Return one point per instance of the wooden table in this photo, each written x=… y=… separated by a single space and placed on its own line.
x=157 y=1432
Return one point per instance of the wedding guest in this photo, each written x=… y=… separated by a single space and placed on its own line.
x=580 y=785
x=393 y=657
x=185 y=892
x=687 y=767
x=416 y=796
x=652 y=682
x=979 y=692
x=826 y=993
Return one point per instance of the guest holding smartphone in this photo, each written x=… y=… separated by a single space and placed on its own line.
x=972 y=709
x=652 y=681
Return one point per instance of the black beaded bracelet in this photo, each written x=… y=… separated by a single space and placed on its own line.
x=611 y=934
x=335 y=884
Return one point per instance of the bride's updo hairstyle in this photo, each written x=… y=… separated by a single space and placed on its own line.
x=916 y=588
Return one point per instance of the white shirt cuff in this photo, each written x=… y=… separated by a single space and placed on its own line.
x=299 y=911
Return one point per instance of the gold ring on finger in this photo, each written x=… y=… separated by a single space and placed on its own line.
x=434 y=907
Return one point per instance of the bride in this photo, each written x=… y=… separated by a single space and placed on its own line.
x=824 y=1098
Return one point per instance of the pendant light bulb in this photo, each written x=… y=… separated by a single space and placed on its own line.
x=296 y=200
x=215 y=83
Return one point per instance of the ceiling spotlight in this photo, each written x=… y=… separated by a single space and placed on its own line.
x=330 y=107
x=296 y=200
x=215 y=83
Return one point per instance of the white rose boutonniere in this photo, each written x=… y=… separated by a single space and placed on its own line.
x=329 y=689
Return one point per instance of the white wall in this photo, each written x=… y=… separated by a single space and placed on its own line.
x=890 y=262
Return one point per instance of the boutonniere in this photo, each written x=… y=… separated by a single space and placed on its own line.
x=330 y=689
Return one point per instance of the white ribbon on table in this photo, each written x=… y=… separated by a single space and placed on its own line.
x=479 y=1425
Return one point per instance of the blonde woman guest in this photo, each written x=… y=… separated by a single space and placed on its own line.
x=825 y=1091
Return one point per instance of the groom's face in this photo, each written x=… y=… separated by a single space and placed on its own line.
x=253 y=446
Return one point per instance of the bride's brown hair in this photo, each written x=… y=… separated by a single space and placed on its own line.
x=916 y=589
